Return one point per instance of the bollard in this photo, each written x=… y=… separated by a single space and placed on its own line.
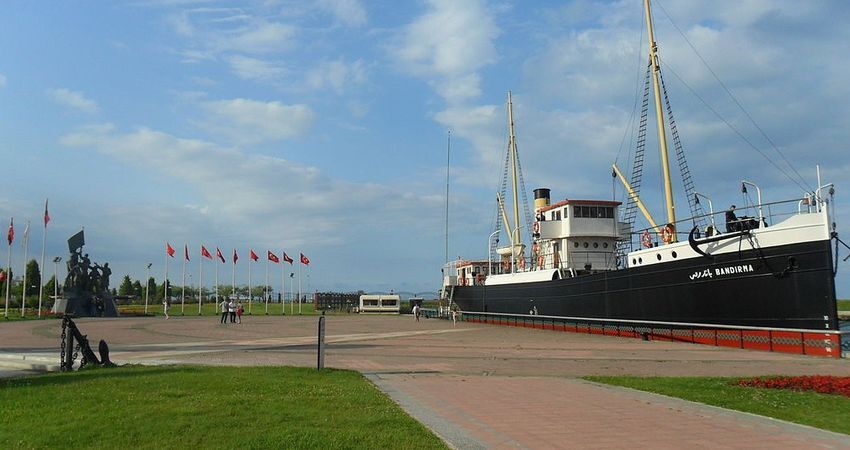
x=321 y=355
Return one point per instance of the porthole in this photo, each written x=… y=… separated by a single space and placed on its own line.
x=595 y=245
x=585 y=245
x=640 y=260
x=575 y=244
x=604 y=245
x=658 y=255
x=674 y=254
x=634 y=261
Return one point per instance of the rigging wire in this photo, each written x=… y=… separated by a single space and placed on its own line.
x=735 y=130
x=740 y=106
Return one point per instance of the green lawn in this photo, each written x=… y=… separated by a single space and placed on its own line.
x=829 y=412
x=204 y=407
x=844 y=305
x=211 y=309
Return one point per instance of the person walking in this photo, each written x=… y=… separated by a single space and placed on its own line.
x=224 y=310
x=416 y=312
x=165 y=309
x=454 y=315
x=239 y=312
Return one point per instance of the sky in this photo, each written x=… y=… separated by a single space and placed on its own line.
x=322 y=127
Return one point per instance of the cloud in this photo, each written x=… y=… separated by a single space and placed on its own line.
x=255 y=69
x=261 y=37
x=450 y=42
x=73 y=99
x=336 y=75
x=250 y=121
x=2 y=81
x=348 y=12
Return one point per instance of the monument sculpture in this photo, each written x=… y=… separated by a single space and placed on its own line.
x=86 y=288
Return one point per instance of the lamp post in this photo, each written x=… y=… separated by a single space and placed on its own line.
x=147 y=286
x=697 y=195
x=744 y=184
x=490 y=252
x=56 y=262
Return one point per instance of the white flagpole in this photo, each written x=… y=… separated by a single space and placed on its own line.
x=291 y=298
x=26 y=242
x=299 y=286
x=8 y=282
x=282 y=286
x=250 y=297
x=216 y=282
x=41 y=267
x=183 y=294
x=266 y=287
x=200 y=282
x=165 y=285
x=233 y=287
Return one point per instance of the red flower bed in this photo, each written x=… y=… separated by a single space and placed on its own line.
x=818 y=383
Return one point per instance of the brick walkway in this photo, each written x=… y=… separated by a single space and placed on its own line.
x=478 y=386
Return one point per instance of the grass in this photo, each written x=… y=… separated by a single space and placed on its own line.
x=204 y=407
x=828 y=412
x=211 y=309
x=844 y=305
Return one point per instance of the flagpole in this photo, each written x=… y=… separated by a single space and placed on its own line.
x=282 y=287
x=41 y=267
x=233 y=288
x=266 y=287
x=216 y=283
x=9 y=272
x=250 y=297
x=299 y=286
x=291 y=298
x=200 y=282
x=26 y=242
x=183 y=294
x=165 y=285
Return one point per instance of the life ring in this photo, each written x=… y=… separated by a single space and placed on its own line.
x=536 y=227
x=667 y=233
x=540 y=261
x=646 y=239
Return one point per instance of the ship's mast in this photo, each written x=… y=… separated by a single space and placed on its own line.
x=662 y=135
x=516 y=239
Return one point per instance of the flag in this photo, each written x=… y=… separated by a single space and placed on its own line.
x=26 y=233
x=76 y=241
x=235 y=256
x=304 y=260
x=169 y=249
x=218 y=254
x=186 y=252
x=273 y=257
x=254 y=256
x=205 y=253
x=10 y=236
x=46 y=216
x=287 y=258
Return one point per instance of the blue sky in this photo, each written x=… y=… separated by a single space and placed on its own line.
x=321 y=126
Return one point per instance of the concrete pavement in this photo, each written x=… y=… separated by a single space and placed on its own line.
x=477 y=386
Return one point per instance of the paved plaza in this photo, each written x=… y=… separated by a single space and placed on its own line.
x=477 y=386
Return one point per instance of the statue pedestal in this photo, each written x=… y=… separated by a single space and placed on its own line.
x=59 y=306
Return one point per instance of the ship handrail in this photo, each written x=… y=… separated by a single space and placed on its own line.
x=654 y=322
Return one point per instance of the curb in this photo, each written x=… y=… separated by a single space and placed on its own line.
x=29 y=362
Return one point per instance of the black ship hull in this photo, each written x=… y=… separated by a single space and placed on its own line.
x=787 y=286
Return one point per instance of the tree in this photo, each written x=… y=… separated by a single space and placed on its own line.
x=33 y=278
x=160 y=291
x=151 y=289
x=50 y=287
x=126 y=287
x=138 y=290
x=3 y=279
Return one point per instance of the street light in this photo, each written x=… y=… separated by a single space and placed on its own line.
x=697 y=195
x=744 y=184
x=147 y=286
x=56 y=262
x=490 y=252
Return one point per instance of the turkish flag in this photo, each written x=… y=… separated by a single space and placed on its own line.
x=273 y=257
x=287 y=258
x=169 y=249
x=10 y=236
x=235 y=256
x=254 y=256
x=205 y=253
x=186 y=252
x=218 y=254
x=46 y=215
x=304 y=260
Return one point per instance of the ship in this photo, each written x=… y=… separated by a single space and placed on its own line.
x=765 y=271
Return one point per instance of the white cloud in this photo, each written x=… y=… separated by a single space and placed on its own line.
x=2 y=80
x=348 y=12
x=336 y=74
x=255 y=69
x=250 y=121
x=262 y=37
x=73 y=99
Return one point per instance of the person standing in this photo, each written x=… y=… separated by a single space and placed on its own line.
x=165 y=309
x=239 y=312
x=454 y=315
x=224 y=310
x=231 y=307
x=416 y=312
